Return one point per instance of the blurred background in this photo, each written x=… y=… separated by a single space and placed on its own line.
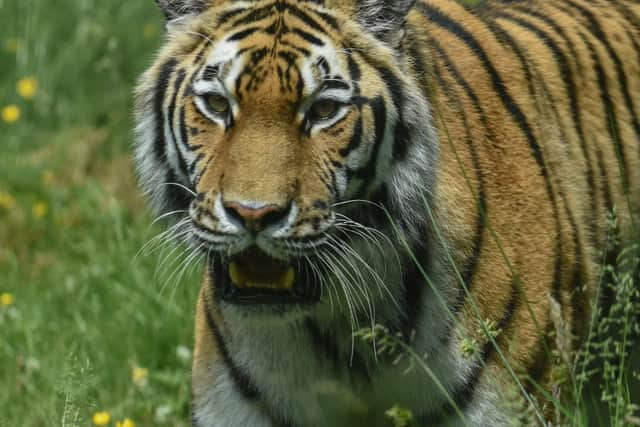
x=96 y=314
x=92 y=329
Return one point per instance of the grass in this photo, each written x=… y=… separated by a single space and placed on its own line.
x=88 y=323
x=86 y=310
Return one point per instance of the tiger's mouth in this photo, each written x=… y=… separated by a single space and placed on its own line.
x=254 y=277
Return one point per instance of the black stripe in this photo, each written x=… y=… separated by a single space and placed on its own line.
x=243 y=382
x=510 y=105
x=628 y=16
x=170 y=120
x=306 y=18
x=605 y=177
x=354 y=74
x=606 y=191
x=356 y=139
x=570 y=86
x=254 y=16
x=368 y=171
x=323 y=66
x=416 y=50
x=580 y=303
x=414 y=286
x=162 y=85
x=230 y=14
x=521 y=120
x=175 y=198
x=328 y=19
x=211 y=72
x=538 y=368
x=515 y=112
x=308 y=37
x=279 y=7
x=200 y=55
x=557 y=29
x=335 y=82
x=569 y=81
x=194 y=165
x=567 y=77
x=610 y=117
x=464 y=394
x=240 y=35
x=325 y=176
x=303 y=51
x=471 y=264
x=184 y=139
x=402 y=138
x=595 y=28
x=636 y=46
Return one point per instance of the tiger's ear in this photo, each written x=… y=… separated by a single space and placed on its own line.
x=384 y=18
x=174 y=9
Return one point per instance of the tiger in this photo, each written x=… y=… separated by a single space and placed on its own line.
x=400 y=205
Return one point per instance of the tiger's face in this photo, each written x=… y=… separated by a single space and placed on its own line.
x=271 y=119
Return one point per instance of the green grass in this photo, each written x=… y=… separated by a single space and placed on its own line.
x=89 y=307
x=85 y=311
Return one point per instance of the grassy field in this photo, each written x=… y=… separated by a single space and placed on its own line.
x=85 y=325
x=90 y=324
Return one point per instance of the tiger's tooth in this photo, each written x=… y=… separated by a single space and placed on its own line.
x=237 y=277
x=288 y=279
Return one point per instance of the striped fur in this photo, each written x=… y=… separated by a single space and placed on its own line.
x=497 y=138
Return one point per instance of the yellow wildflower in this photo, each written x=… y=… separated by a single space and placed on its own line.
x=101 y=418
x=12 y=45
x=47 y=178
x=40 y=210
x=126 y=423
x=6 y=201
x=6 y=299
x=140 y=376
x=27 y=87
x=149 y=31
x=11 y=113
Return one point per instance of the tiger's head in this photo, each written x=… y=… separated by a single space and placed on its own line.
x=274 y=129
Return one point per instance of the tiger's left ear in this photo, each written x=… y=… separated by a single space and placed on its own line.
x=174 y=9
x=384 y=18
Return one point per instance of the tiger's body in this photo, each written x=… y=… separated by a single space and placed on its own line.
x=496 y=137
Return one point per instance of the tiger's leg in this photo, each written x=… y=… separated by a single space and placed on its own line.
x=217 y=399
x=495 y=400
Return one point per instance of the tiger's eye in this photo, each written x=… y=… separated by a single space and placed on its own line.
x=324 y=109
x=218 y=103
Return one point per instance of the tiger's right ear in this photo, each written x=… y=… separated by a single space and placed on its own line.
x=175 y=9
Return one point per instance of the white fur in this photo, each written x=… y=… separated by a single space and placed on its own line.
x=222 y=406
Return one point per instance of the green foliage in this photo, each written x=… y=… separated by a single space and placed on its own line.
x=607 y=356
x=80 y=306
x=400 y=417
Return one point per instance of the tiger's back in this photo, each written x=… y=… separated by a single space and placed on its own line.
x=496 y=137
x=538 y=105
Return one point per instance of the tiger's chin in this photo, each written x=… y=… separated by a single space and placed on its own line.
x=254 y=282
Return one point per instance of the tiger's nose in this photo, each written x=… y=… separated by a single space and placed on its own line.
x=257 y=218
